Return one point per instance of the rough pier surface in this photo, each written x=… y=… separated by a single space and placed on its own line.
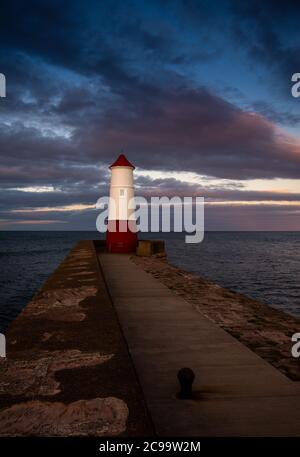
x=236 y=392
x=68 y=371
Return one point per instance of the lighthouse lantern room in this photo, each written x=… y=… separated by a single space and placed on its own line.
x=119 y=235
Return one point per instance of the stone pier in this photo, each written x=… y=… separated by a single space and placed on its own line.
x=97 y=350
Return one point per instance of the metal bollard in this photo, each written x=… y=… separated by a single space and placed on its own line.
x=186 y=377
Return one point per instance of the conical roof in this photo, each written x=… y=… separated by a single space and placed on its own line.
x=122 y=162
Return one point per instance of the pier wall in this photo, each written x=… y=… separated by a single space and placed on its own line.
x=65 y=358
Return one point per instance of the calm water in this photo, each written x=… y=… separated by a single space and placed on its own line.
x=263 y=265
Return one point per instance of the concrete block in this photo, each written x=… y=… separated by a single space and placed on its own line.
x=147 y=248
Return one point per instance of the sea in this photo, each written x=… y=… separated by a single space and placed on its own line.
x=261 y=265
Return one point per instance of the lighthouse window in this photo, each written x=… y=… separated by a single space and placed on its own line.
x=122 y=192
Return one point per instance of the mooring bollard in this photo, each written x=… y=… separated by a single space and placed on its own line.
x=186 y=377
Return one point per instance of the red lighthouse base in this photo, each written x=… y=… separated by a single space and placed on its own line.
x=119 y=237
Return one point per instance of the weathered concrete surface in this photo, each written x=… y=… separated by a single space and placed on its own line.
x=265 y=330
x=106 y=416
x=68 y=371
x=237 y=393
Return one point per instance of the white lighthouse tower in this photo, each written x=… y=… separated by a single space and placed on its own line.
x=119 y=237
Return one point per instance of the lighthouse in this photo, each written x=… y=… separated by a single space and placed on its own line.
x=119 y=235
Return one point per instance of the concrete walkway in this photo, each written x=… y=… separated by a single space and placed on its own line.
x=237 y=392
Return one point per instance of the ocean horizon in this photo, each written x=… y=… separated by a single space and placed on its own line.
x=261 y=265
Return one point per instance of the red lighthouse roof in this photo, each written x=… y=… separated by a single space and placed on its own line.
x=122 y=162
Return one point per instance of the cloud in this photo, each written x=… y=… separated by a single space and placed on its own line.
x=218 y=138
x=84 y=83
x=268 y=31
x=279 y=117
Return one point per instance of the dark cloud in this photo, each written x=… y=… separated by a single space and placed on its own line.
x=268 y=31
x=280 y=117
x=281 y=218
x=217 y=138
x=85 y=81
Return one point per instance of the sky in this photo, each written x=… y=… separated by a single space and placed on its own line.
x=197 y=94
